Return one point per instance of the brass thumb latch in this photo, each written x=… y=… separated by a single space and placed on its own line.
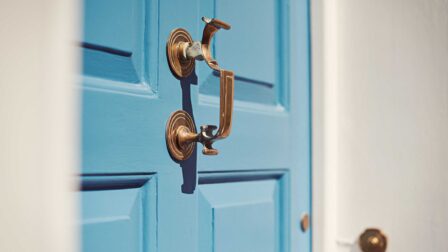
x=182 y=51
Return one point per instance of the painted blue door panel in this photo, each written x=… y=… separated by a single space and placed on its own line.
x=120 y=43
x=117 y=214
x=240 y=216
x=113 y=23
x=113 y=220
x=258 y=57
x=256 y=36
x=248 y=198
x=113 y=39
x=116 y=135
x=263 y=121
x=123 y=122
x=109 y=63
x=246 y=90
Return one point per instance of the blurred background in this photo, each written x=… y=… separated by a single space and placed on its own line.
x=380 y=108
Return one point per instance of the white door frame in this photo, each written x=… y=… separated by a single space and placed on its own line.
x=324 y=110
x=39 y=125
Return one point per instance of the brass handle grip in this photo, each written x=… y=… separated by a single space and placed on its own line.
x=182 y=51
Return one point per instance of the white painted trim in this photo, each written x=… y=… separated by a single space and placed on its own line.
x=325 y=138
x=39 y=125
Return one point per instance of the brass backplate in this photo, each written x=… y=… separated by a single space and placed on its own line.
x=179 y=66
x=373 y=240
x=177 y=119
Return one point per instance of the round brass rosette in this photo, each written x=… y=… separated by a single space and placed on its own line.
x=177 y=119
x=179 y=66
x=373 y=240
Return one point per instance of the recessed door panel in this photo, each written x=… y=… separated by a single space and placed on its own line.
x=113 y=23
x=259 y=46
x=253 y=49
x=112 y=39
x=258 y=50
x=236 y=214
x=117 y=214
x=117 y=41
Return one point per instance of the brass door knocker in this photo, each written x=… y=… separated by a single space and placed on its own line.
x=182 y=51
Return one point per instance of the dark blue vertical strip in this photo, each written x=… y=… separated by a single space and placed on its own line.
x=214 y=15
x=146 y=33
x=285 y=218
x=282 y=88
x=157 y=45
x=213 y=230
x=310 y=118
x=145 y=217
x=157 y=213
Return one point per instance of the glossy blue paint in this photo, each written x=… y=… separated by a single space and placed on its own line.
x=248 y=198
x=118 y=213
x=236 y=209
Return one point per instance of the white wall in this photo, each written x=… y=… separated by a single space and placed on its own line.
x=38 y=125
x=381 y=122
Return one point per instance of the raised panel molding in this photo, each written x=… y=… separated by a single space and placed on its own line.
x=120 y=45
x=242 y=211
x=256 y=49
x=118 y=213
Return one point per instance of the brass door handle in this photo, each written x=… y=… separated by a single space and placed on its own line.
x=373 y=240
x=182 y=51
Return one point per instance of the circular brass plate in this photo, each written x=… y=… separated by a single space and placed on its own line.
x=181 y=68
x=373 y=240
x=177 y=119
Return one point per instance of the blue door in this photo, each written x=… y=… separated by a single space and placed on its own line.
x=136 y=194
